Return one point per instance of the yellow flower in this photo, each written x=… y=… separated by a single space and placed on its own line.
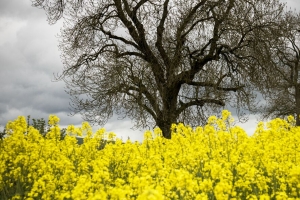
x=291 y=119
x=264 y=197
x=53 y=120
x=212 y=119
x=151 y=194
x=111 y=136
x=225 y=115
x=217 y=161
x=70 y=129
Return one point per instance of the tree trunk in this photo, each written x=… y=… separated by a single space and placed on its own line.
x=297 y=92
x=165 y=127
x=168 y=114
x=165 y=122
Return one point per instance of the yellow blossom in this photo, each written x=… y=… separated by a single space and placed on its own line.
x=216 y=161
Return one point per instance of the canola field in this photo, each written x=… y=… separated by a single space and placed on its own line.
x=217 y=161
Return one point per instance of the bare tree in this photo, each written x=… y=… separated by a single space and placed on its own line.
x=281 y=88
x=160 y=62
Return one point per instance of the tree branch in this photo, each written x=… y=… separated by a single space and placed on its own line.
x=110 y=35
x=140 y=103
x=160 y=30
x=132 y=30
x=206 y=84
x=138 y=34
x=198 y=102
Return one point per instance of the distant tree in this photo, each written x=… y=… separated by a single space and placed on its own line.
x=2 y=133
x=281 y=88
x=43 y=127
x=160 y=62
x=39 y=124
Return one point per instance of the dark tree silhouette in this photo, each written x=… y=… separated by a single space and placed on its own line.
x=281 y=88
x=160 y=62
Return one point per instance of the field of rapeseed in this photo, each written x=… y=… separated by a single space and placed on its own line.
x=217 y=161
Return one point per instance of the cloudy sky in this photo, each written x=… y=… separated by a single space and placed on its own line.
x=29 y=58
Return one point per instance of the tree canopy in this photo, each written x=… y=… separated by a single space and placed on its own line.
x=281 y=88
x=161 y=62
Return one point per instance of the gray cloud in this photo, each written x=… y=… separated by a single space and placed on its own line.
x=19 y=10
x=292 y=4
x=28 y=59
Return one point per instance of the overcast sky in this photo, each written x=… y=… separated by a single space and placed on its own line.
x=29 y=58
